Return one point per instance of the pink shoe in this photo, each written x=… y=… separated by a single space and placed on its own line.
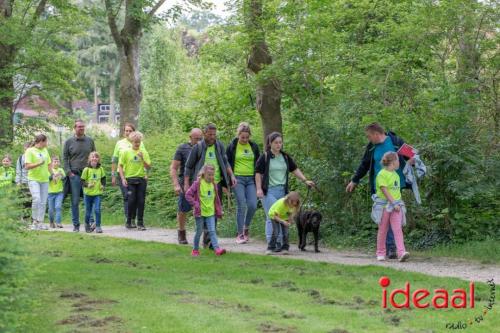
x=246 y=235
x=240 y=239
x=220 y=251
x=195 y=253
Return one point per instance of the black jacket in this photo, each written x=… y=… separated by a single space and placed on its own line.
x=366 y=164
x=231 y=152
x=262 y=167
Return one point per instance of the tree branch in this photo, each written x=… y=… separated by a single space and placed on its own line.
x=156 y=7
x=112 y=23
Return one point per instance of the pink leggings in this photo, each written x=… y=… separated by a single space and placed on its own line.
x=395 y=219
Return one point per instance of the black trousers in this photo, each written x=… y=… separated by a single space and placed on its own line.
x=136 y=192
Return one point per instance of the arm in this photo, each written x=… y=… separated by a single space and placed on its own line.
x=29 y=166
x=191 y=193
x=362 y=170
x=297 y=173
x=280 y=220
x=174 y=167
x=66 y=165
x=258 y=185
x=122 y=176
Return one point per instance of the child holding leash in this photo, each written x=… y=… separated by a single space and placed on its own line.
x=281 y=215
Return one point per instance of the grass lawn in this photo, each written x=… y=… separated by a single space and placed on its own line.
x=98 y=284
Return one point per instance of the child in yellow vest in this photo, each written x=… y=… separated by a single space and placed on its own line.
x=8 y=174
x=93 y=182
x=56 y=194
x=281 y=214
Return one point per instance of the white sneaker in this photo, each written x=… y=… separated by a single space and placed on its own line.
x=404 y=257
x=269 y=252
x=42 y=226
x=381 y=258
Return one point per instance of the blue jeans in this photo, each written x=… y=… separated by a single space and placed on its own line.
x=390 y=243
x=246 y=199
x=273 y=194
x=93 y=203
x=55 y=206
x=209 y=222
x=76 y=188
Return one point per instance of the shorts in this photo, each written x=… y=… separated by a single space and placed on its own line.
x=183 y=205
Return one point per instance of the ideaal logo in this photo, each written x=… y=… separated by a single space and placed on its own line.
x=440 y=299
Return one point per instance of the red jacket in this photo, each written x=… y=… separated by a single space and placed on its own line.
x=193 y=197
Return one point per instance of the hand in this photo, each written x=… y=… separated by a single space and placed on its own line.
x=140 y=155
x=124 y=182
x=177 y=189
x=411 y=161
x=233 y=181
x=309 y=183
x=71 y=174
x=397 y=208
x=351 y=186
x=145 y=177
x=260 y=193
x=113 y=180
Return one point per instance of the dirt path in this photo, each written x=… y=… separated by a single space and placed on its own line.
x=462 y=269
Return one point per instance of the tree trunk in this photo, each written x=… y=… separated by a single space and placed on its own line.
x=130 y=84
x=7 y=93
x=268 y=89
x=96 y=104
x=112 y=113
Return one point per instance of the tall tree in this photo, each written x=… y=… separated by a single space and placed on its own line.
x=34 y=52
x=268 y=92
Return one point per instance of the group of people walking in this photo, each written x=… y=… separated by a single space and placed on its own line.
x=201 y=170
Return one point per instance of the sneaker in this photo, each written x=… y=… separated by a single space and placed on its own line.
x=284 y=251
x=240 y=239
x=59 y=225
x=278 y=250
x=381 y=258
x=246 y=235
x=34 y=226
x=92 y=226
x=128 y=226
x=195 y=253
x=269 y=252
x=87 y=228
x=392 y=255
x=52 y=225
x=220 y=251
x=141 y=227
x=76 y=228
x=133 y=225
x=404 y=257
x=98 y=230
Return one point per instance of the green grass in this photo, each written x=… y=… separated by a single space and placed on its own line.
x=486 y=252
x=98 y=284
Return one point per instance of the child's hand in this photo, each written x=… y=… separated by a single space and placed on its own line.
x=397 y=208
x=139 y=154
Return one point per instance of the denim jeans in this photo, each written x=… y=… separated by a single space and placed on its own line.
x=124 y=195
x=93 y=203
x=277 y=229
x=39 y=193
x=76 y=189
x=273 y=194
x=246 y=199
x=209 y=222
x=55 y=207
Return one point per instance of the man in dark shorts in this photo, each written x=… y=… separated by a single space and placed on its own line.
x=177 y=175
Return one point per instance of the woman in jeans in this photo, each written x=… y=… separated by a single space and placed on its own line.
x=242 y=155
x=271 y=177
x=39 y=165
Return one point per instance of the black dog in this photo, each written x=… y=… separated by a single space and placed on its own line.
x=308 y=221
